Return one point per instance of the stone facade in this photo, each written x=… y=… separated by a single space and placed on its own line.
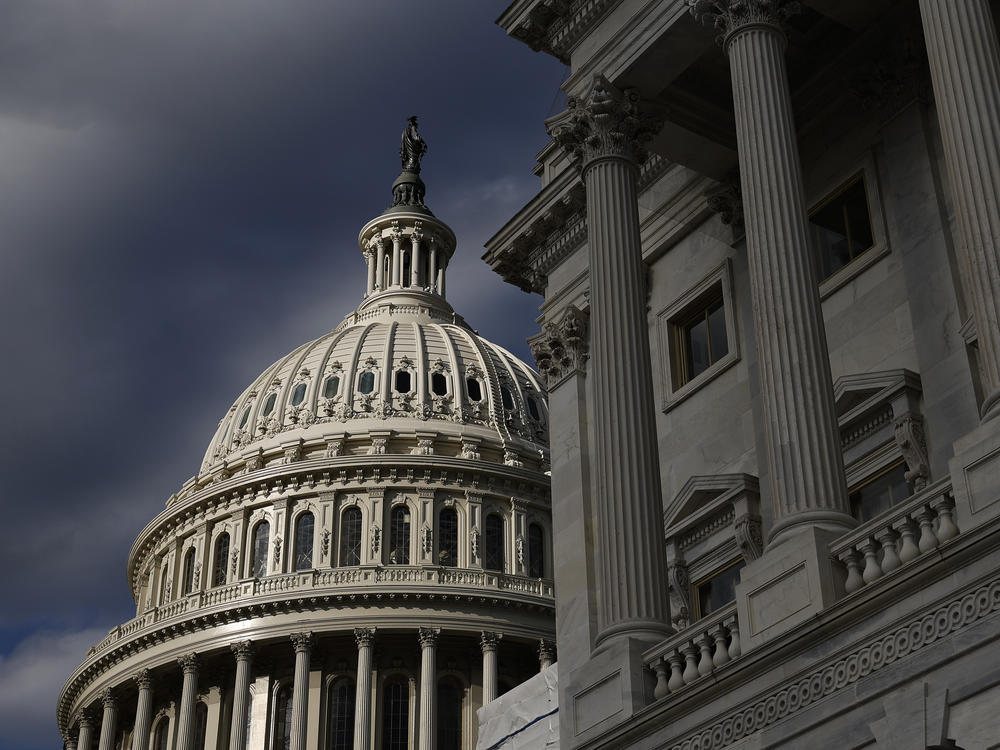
x=795 y=203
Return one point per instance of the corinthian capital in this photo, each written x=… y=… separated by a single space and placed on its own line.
x=561 y=349
x=606 y=122
x=729 y=16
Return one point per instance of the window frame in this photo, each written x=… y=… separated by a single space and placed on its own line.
x=297 y=521
x=696 y=585
x=341 y=537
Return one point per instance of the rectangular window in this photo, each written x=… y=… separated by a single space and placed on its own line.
x=717 y=590
x=879 y=493
x=841 y=227
x=702 y=339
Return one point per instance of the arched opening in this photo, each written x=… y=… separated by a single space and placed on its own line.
x=261 y=540
x=395 y=714
x=536 y=551
x=331 y=386
x=449 y=714
x=163 y=585
x=493 y=557
x=304 y=526
x=188 y=586
x=350 y=537
x=299 y=394
x=283 y=718
x=221 y=562
x=341 y=715
x=439 y=384
x=161 y=734
x=200 y=725
x=366 y=383
x=448 y=537
x=399 y=536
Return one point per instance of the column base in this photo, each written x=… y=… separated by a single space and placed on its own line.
x=975 y=475
x=793 y=581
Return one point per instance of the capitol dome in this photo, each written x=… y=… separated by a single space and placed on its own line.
x=364 y=557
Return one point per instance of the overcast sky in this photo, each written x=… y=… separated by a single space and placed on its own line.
x=181 y=187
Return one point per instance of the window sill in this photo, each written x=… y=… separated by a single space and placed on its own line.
x=852 y=270
x=695 y=385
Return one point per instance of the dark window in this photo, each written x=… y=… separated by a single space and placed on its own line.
x=163 y=585
x=304 y=525
x=402 y=381
x=702 y=339
x=533 y=408
x=474 y=389
x=536 y=551
x=342 y=716
x=350 y=537
x=269 y=404
x=299 y=394
x=221 y=560
x=449 y=715
x=331 y=386
x=399 y=536
x=880 y=493
x=261 y=539
x=841 y=227
x=189 y=571
x=161 y=734
x=506 y=398
x=395 y=715
x=448 y=537
x=718 y=590
x=200 y=725
x=493 y=543
x=245 y=417
x=283 y=719
x=439 y=384
x=366 y=384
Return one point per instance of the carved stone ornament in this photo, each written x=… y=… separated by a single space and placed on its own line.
x=726 y=199
x=196 y=577
x=511 y=458
x=376 y=539
x=364 y=636
x=909 y=433
x=680 y=594
x=325 y=543
x=292 y=454
x=519 y=550
x=489 y=641
x=109 y=699
x=236 y=560
x=606 y=122
x=729 y=16
x=243 y=650
x=428 y=637
x=143 y=679
x=277 y=550
x=189 y=663
x=302 y=641
x=470 y=450
x=427 y=539
x=749 y=537
x=378 y=447
x=474 y=543
x=562 y=348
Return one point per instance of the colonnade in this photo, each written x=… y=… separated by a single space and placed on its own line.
x=387 y=258
x=303 y=645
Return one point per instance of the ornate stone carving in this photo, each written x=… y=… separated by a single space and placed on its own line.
x=474 y=543
x=470 y=450
x=364 y=636
x=292 y=454
x=255 y=461
x=680 y=593
x=378 y=447
x=909 y=433
x=325 y=543
x=235 y=561
x=302 y=641
x=277 y=550
x=427 y=539
x=561 y=349
x=749 y=537
x=243 y=650
x=425 y=447
x=334 y=448
x=376 y=539
x=143 y=679
x=489 y=641
x=428 y=637
x=189 y=663
x=109 y=699
x=511 y=458
x=726 y=199
x=519 y=550
x=607 y=122
x=196 y=577
x=729 y=16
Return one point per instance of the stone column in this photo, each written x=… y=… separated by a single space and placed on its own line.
x=428 y=687
x=379 y=264
x=800 y=428
x=189 y=695
x=604 y=133
x=489 y=642
x=143 y=710
x=241 y=695
x=432 y=266
x=546 y=654
x=397 y=258
x=443 y=263
x=415 y=259
x=363 y=690
x=109 y=724
x=370 y=254
x=86 y=737
x=965 y=72
x=303 y=643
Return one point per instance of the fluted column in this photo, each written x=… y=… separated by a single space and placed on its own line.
x=86 y=737
x=397 y=258
x=442 y=266
x=800 y=424
x=604 y=133
x=109 y=724
x=370 y=254
x=428 y=687
x=143 y=710
x=380 y=265
x=303 y=643
x=546 y=654
x=415 y=248
x=965 y=71
x=432 y=266
x=189 y=694
x=489 y=643
x=363 y=694
x=241 y=695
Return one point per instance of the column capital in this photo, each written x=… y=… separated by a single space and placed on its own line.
x=88 y=717
x=607 y=122
x=364 y=636
x=243 y=650
x=428 y=637
x=302 y=641
x=189 y=663
x=489 y=641
x=546 y=650
x=143 y=679
x=731 y=16
x=563 y=346
x=109 y=699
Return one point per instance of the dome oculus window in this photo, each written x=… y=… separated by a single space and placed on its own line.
x=402 y=381
x=474 y=389
x=366 y=383
x=841 y=227
x=269 y=404
x=331 y=386
x=299 y=394
x=439 y=384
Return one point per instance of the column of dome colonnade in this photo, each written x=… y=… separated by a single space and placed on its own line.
x=143 y=710
x=489 y=643
x=85 y=738
x=189 y=694
x=800 y=425
x=964 y=60
x=604 y=132
x=303 y=643
x=365 y=638
x=109 y=722
x=243 y=651
x=428 y=638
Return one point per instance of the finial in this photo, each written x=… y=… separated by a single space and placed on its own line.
x=413 y=148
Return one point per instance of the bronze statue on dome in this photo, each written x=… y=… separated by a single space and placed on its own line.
x=413 y=148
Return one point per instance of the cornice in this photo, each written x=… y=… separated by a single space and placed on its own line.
x=554 y=26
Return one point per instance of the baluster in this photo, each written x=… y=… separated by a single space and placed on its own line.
x=852 y=560
x=908 y=550
x=946 y=529
x=721 y=655
x=691 y=656
x=676 y=673
x=928 y=540
x=734 y=638
x=705 y=642
x=661 y=690
x=890 y=558
x=872 y=570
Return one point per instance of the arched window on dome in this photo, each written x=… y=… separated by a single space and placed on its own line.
x=350 y=536
x=448 y=537
x=304 y=526
x=261 y=540
x=331 y=386
x=506 y=398
x=221 y=562
x=161 y=734
x=536 y=551
x=200 y=725
x=439 y=384
x=399 y=536
x=283 y=719
x=366 y=382
x=164 y=585
x=269 y=405
x=403 y=381
x=188 y=586
x=395 y=714
x=493 y=543
x=245 y=418
x=341 y=715
x=533 y=408
x=474 y=389
x=298 y=394
x=449 y=714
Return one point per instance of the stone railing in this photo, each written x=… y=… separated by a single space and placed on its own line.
x=325 y=581
x=907 y=531
x=695 y=652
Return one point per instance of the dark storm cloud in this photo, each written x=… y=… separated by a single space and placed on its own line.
x=181 y=187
